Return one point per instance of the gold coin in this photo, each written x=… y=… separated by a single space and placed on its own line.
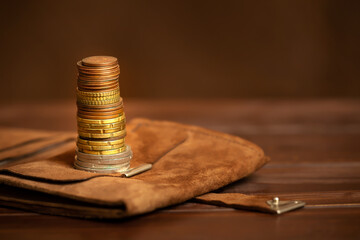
x=101 y=143
x=99 y=148
x=104 y=152
x=109 y=130
x=102 y=135
x=101 y=121
x=96 y=102
x=98 y=117
x=102 y=126
x=98 y=94
x=101 y=98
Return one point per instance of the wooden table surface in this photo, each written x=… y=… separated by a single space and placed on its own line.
x=314 y=147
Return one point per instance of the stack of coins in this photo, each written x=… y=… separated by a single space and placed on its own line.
x=101 y=120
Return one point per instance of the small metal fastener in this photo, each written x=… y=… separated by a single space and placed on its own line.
x=280 y=207
x=137 y=170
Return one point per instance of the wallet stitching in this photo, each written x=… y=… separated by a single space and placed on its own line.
x=171 y=149
x=33 y=153
x=24 y=143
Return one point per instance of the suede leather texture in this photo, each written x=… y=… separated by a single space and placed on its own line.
x=237 y=201
x=188 y=161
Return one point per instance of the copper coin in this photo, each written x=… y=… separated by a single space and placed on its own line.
x=98 y=61
x=82 y=83
x=97 y=90
x=90 y=85
x=98 y=69
x=107 y=113
x=97 y=78
x=100 y=106
x=100 y=86
x=81 y=67
x=104 y=139
x=99 y=110
x=97 y=84
x=115 y=83
x=99 y=73
x=86 y=78
x=93 y=83
x=90 y=109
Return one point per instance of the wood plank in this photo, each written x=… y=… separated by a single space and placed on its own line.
x=301 y=178
x=306 y=224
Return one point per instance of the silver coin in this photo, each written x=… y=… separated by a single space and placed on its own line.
x=96 y=170
x=100 y=164
x=103 y=163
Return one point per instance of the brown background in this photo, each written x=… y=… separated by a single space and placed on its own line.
x=183 y=49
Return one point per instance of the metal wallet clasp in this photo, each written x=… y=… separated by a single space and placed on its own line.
x=284 y=206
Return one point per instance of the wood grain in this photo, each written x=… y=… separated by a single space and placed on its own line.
x=315 y=157
x=327 y=223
